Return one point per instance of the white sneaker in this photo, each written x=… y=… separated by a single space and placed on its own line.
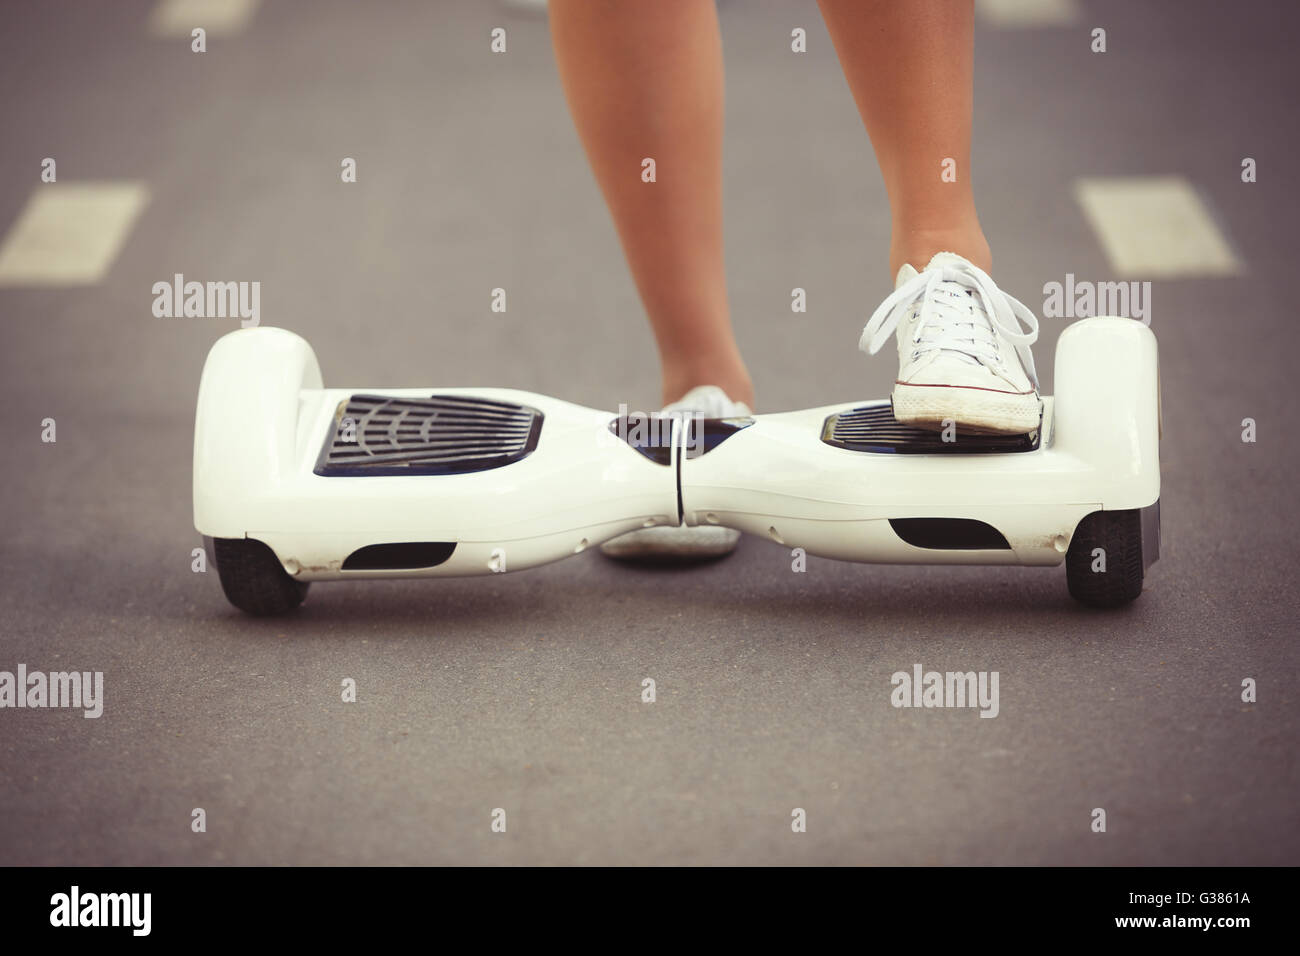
x=683 y=544
x=962 y=354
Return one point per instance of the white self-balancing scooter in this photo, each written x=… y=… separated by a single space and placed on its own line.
x=295 y=482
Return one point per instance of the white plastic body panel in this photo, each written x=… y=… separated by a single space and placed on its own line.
x=263 y=417
x=776 y=482
x=1099 y=451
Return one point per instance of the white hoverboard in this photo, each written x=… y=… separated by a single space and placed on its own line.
x=295 y=483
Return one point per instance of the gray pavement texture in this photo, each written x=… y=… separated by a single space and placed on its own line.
x=522 y=691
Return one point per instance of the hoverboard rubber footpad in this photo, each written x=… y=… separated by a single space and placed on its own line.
x=440 y=435
x=873 y=428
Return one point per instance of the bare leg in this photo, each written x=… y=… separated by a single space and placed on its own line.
x=645 y=80
x=910 y=67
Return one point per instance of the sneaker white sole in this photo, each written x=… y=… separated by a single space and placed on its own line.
x=672 y=545
x=976 y=411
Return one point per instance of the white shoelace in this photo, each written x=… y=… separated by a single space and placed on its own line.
x=947 y=325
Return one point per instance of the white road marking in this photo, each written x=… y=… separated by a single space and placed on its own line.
x=70 y=233
x=171 y=18
x=1028 y=13
x=1155 y=227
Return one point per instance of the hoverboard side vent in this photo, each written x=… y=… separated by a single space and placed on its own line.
x=949 y=534
x=440 y=435
x=401 y=556
x=873 y=428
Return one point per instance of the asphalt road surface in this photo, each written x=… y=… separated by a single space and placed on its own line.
x=523 y=691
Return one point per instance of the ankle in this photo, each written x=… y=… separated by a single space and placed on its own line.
x=917 y=248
